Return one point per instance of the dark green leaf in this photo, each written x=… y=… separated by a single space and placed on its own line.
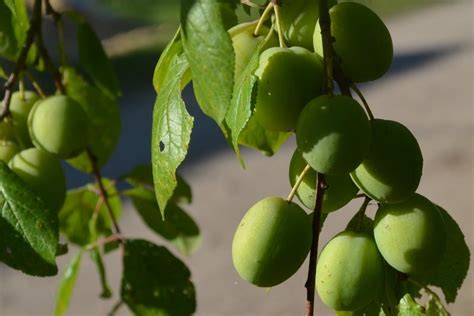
x=171 y=51
x=171 y=133
x=179 y=228
x=408 y=307
x=104 y=119
x=67 y=284
x=8 y=41
x=78 y=210
x=93 y=58
x=96 y=257
x=154 y=282
x=450 y=273
x=210 y=53
x=28 y=230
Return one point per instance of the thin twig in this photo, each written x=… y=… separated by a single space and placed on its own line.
x=35 y=84
x=58 y=22
x=102 y=192
x=276 y=8
x=265 y=15
x=328 y=50
x=310 y=282
x=298 y=183
x=50 y=65
x=364 y=101
x=115 y=308
x=104 y=241
x=33 y=31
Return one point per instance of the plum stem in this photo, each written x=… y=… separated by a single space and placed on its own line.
x=310 y=282
x=281 y=39
x=364 y=101
x=265 y=15
x=33 y=31
x=328 y=51
x=298 y=183
x=35 y=84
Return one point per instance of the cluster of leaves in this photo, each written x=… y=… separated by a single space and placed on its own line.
x=154 y=281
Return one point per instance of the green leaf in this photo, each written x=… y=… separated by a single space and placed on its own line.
x=450 y=273
x=171 y=133
x=8 y=41
x=104 y=119
x=435 y=308
x=210 y=54
x=179 y=228
x=171 y=51
x=67 y=284
x=96 y=257
x=28 y=230
x=93 y=59
x=154 y=282
x=78 y=210
x=408 y=307
x=3 y=74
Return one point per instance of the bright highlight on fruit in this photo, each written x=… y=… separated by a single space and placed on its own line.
x=410 y=235
x=350 y=272
x=59 y=125
x=392 y=170
x=43 y=173
x=362 y=41
x=288 y=78
x=271 y=242
x=333 y=134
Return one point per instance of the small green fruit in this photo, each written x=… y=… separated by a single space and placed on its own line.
x=340 y=189
x=333 y=134
x=362 y=41
x=298 y=20
x=392 y=170
x=245 y=44
x=271 y=242
x=7 y=130
x=8 y=149
x=350 y=272
x=410 y=235
x=59 y=125
x=288 y=78
x=43 y=173
x=20 y=107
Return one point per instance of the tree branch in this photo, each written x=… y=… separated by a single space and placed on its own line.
x=33 y=31
x=310 y=282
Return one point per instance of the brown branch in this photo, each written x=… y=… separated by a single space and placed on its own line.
x=58 y=22
x=33 y=31
x=310 y=282
x=102 y=191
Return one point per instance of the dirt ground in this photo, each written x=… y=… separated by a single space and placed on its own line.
x=432 y=96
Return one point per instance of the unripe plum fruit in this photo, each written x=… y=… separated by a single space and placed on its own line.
x=362 y=41
x=392 y=170
x=245 y=44
x=43 y=173
x=288 y=78
x=333 y=134
x=340 y=188
x=410 y=235
x=59 y=125
x=20 y=107
x=298 y=20
x=350 y=271
x=7 y=130
x=271 y=242
x=8 y=149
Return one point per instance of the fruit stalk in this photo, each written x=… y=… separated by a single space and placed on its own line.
x=310 y=282
x=33 y=31
x=325 y=23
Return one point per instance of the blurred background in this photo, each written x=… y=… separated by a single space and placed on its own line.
x=429 y=89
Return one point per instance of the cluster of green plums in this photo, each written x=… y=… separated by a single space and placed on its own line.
x=38 y=134
x=378 y=158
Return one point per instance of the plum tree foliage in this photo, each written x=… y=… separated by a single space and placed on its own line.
x=261 y=82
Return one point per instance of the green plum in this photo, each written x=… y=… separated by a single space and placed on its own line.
x=298 y=21
x=392 y=170
x=20 y=107
x=288 y=78
x=59 y=125
x=340 y=189
x=7 y=130
x=43 y=173
x=333 y=134
x=350 y=271
x=271 y=242
x=245 y=44
x=410 y=235
x=362 y=41
x=8 y=149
